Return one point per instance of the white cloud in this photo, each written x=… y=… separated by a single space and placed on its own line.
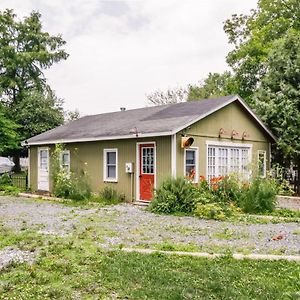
x=121 y=50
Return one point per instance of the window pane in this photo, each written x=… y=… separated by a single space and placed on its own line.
x=190 y=157
x=111 y=158
x=111 y=171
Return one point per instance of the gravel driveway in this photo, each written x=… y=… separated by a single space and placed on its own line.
x=130 y=226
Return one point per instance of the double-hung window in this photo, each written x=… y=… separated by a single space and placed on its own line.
x=110 y=164
x=262 y=163
x=191 y=163
x=65 y=160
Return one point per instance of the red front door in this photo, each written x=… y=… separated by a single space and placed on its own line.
x=147 y=170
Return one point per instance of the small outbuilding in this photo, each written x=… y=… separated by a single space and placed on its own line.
x=135 y=150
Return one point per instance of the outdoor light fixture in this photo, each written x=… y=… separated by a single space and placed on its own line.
x=134 y=131
x=245 y=135
x=234 y=133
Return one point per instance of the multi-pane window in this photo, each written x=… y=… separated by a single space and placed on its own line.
x=110 y=165
x=223 y=160
x=65 y=160
x=211 y=163
x=43 y=159
x=262 y=163
x=190 y=164
x=147 y=160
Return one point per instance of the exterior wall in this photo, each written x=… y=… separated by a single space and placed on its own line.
x=231 y=117
x=88 y=156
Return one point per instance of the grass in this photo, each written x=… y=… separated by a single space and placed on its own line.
x=75 y=267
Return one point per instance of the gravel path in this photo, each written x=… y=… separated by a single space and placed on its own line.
x=130 y=226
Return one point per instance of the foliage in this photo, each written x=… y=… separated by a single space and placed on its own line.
x=260 y=197
x=10 y=190
x=68 y=184
x=175 y=195
x=214 y=211
x=38 y=112
x=25 y=52
x=175 y=95
x=72 y=115
x=108 y=195
x=215 y=85
x=5 y=179
x=8 y=133
x=253 y=37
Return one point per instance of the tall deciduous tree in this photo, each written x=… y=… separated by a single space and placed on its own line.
x=25 y=52
x=213 y=86
x=253 y=36
x=8 y=133
x=278 y=98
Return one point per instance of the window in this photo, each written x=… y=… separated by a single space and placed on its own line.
x=65 y=160
x=191 y=164
x=110 y=165
x=262 y=163
x=147 y=160
x=223 y=160
x=43 y=159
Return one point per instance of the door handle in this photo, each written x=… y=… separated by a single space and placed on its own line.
x=140 y=176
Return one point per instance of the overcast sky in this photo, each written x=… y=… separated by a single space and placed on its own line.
x=122 y=50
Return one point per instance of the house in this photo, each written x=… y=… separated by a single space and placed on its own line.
x=134 y=150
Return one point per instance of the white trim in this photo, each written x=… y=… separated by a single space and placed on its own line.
x=60 y=159
x=196 y=149
x=105 y=178
x=227 y=144
x=28 y=173
x=38 y=167
x=173 y=154
x=153 y=134
x=264 y=152
x=137 y=180
x=101 y=138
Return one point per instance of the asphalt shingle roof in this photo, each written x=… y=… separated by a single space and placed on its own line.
x=158 y=119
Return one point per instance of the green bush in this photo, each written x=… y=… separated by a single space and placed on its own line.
x=210 y=211
x=71 y=186
x=109 y=195
x=10 y=190
x=175 y=195
x=260 y=196
x=5 y=179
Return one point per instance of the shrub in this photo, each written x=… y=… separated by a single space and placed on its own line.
x=260 y=197
x=71 y=186
x=109 y=195
x=175 y=195
x=5 y=179
x=216 y=211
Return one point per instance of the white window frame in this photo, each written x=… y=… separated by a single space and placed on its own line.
x=105 y=177
x=264 y=152
x=61 y=160
x=196 y=150
x=228 y=145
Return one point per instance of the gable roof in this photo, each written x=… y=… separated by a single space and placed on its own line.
x=149 y=121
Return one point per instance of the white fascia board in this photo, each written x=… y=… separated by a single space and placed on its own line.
x=104 y=138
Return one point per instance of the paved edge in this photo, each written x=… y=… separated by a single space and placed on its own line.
x=238 y=256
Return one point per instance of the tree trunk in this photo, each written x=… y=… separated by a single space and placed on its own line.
x=17 y=167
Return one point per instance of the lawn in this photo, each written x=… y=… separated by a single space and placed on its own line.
x=74 y=267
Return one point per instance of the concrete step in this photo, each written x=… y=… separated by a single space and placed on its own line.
x=141 y=203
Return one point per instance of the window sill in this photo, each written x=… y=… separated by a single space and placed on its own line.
x=110 y=180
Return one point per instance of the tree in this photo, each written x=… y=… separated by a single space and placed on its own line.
x=72 y=115
x=8 y=134
x=253 y=37
x=25 y=52
x=175 y=95
x=278 y=98
x=215 y=85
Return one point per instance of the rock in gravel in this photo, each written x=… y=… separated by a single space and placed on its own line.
x=9 y=255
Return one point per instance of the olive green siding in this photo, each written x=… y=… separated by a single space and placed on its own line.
x=231 y=117
x=88 y=156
